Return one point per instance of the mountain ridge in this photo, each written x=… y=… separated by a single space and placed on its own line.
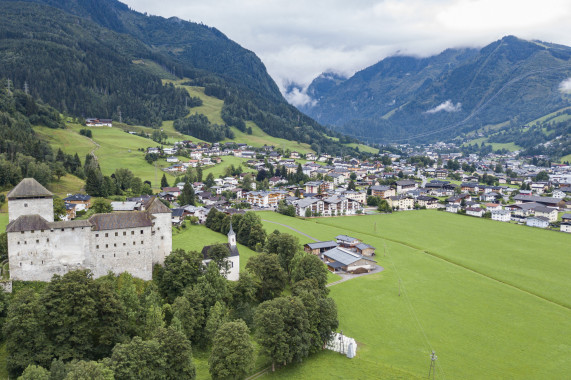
x=393 y=99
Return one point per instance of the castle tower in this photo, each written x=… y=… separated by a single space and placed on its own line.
x=29 y=197
x=162 y=229
x=231 y=237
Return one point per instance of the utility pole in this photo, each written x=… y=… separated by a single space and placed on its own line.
x=432 y=369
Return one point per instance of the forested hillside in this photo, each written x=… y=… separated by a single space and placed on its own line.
x=22 y=153
x=414 y=99
x=96 y=43
x=82 y=69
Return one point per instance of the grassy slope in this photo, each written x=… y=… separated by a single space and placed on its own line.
x=69 y=184
x=479 y=326
x=67 y=140
x=3 y=221
x=219 y=169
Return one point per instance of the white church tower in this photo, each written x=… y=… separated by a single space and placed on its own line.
x=234 y=259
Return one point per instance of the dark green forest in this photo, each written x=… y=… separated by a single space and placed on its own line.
x=100 y=40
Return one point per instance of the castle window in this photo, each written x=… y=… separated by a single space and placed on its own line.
x=96 y=235
x=139 y=252
x=114 y=244
x=97 y=246
x=102 y=256
x=127 y=253
x=32 y=231
x=124 y=233
x=141 y=232
x=141 y=242
x=116 y=233
x=132 y=232
x=42 y=230
x=73 y=228
x=124 y=244
x=114 y=255
x=162 y=238
x=20 y=263
x=25 y=205
x=106 y=234
x=42 y=261
x=18 y=243
x=106 y=245
x=22 y=232
x=133 y=243
x=37 y=241
x=62 y=229
x=47 y=240
x=25 y=242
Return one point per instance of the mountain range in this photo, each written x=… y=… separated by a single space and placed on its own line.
x=98 y=58
x=446 y=96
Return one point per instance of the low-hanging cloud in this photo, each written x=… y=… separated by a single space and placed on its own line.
x=298 y=39
x=447 y=106
x=298 y=97
x=565 y=86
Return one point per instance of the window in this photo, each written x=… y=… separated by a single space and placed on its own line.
x=141 y=242
x=102 y=256
x=127 y=253
x=114 y=244
x=124 y=233
x=133 y=243
x=73 y=228
x=97 y=246
x=42 y=230
x=18 y=243
x=25 y=205
x=33 y=231
x=114 y=255
x=106 y=245
x=106 y=234
x=124 y=244
x=132 y=232
x=141 y=232
x=22 y=232
x=96 y=235
x=116 y=233
x=37 y=241
x=162 y=238
x=62 y=229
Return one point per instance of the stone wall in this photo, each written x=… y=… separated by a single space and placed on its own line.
x=124 y=250
x=38 y=255
x=30 y=206
x=162 y=242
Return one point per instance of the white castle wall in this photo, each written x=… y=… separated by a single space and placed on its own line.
x=38 y=255
x=30 y=206
x=234 y=271
x=162 y=244
x=123 y=250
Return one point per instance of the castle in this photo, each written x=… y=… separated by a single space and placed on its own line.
x=117 y=242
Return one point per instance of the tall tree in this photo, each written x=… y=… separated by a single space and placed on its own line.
x=285 y=246
x=182 y=268
x=232 y=354
x=164 y=182
x=186 y=197
x=272 y=278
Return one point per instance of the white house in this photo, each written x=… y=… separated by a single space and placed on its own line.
x=451 y=207
x=233 y=260
x=474 y=211
x=501 y=215
x=537 y=221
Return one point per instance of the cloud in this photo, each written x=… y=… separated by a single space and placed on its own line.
x=298 y=39
x=447 y=106
x=298 y=97
x=565 y=86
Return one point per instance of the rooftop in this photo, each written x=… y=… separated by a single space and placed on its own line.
x=29 y=188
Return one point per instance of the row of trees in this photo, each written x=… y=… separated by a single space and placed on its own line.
x=121 y=182
x=199 y=126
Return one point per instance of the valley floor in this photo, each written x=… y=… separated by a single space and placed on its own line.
x=491 y=299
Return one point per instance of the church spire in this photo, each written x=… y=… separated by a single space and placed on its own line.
x=231 y=236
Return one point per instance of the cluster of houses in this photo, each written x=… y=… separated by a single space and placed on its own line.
x=344 y=254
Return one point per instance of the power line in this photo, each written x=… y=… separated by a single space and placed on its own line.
x=412 y=310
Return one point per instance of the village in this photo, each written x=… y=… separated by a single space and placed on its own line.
x=501 y=187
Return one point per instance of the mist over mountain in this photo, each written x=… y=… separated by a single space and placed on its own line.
x=403 y=98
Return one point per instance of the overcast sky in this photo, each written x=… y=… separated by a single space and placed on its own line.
x=299 y=39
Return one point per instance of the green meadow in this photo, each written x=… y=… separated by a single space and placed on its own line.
x=491 y=298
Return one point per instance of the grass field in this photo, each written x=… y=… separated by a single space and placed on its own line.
x=566 y=158
x=68 y=184
x=196 y=237
x=68 y=140
x=490 y=298
x=3 y=221
x=219 y=169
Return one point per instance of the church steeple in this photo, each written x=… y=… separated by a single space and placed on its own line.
x=231 y=237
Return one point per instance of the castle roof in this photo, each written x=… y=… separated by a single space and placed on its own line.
x=28 y=223
x=155 y=206
x=29 y=188
x=120 y=220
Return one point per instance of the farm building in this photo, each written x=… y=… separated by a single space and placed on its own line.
x=342 y=260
